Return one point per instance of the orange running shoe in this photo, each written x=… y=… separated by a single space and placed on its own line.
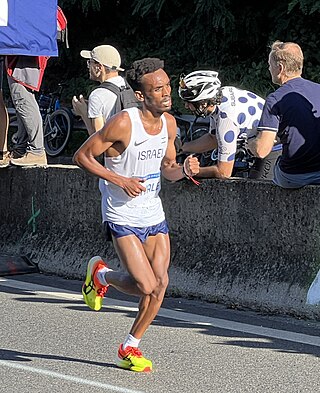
x=131 y=359
x=92 y=291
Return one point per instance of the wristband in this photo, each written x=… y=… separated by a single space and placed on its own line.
x=196 y=182
x=184 y=172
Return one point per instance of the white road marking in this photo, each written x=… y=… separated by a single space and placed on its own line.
x=197 y=320
x=54 y=374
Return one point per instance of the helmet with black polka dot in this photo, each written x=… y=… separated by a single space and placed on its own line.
x=199 y=85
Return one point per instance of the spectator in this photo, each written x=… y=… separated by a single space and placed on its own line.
x=292 y=114
x=4 y=123
x=25 y=75
x=139 y=145
x=232 y=112
x=104 y=65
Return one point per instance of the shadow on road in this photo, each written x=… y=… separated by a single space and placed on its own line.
x=241 y=339
x=6 y=354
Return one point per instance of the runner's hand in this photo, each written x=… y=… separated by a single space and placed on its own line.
x=133 y=187
x=191 y=165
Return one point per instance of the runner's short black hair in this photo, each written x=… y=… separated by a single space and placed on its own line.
x=141 y=67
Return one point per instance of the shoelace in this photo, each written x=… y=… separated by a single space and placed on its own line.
x=134 y=351
x=102 y=291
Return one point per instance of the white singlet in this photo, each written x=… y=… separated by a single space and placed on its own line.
x=142 y=159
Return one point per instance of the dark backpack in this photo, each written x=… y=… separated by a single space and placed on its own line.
x=125 y=95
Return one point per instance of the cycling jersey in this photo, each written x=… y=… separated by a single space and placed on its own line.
x=239 y=111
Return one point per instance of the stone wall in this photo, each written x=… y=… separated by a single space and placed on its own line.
x=239 y=242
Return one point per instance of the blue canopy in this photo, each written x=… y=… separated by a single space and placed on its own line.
x=28 y=27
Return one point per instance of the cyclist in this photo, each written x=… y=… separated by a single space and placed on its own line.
x=233 y=112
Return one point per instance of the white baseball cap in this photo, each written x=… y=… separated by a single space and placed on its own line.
x=106 y=55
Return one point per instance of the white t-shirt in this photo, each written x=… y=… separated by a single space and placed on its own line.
x=101 y=101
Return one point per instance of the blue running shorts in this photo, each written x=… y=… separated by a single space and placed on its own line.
x=141 y=233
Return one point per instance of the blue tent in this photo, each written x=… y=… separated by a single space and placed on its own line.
x=28 y=27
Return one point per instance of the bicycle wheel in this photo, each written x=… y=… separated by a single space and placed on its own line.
x=57 y=130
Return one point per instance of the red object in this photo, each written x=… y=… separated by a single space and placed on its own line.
x=62 y=31
x=20 y=74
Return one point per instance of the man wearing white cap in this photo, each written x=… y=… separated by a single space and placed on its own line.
x=104 y=64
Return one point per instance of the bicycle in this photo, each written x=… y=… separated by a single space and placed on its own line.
x=57 y=122
x=191 y=127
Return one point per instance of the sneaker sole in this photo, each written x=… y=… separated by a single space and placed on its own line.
x=97 y=303
x=125 y=365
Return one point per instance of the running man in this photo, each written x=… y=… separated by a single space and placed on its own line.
x=139 y=146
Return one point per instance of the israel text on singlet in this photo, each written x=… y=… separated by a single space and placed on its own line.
x=142 y=159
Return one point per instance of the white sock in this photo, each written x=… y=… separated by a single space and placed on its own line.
x=101 y=275
x=131 y=341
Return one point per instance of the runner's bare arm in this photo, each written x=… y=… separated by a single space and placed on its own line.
x=114 y=138
x=171 y=170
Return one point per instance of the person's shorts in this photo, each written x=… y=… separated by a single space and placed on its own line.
x=288 y=180
x=125 y=230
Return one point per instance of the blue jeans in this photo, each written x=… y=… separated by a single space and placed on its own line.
x=294 y=180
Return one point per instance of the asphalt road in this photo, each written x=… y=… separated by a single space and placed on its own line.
x=52 y=343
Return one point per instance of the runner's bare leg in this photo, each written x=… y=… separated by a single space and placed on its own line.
x=147 y=265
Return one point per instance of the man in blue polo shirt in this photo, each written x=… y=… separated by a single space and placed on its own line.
x=291 y=114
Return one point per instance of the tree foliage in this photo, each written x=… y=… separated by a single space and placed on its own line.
x=232 y=37
x=84 y=5
x=307 y=7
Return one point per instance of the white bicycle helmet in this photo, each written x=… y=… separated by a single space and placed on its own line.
x=199 y=85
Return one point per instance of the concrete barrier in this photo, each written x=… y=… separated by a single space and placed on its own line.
x=239 y=242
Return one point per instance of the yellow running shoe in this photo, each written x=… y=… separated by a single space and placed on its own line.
x=92 y=291
x=131 y=359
